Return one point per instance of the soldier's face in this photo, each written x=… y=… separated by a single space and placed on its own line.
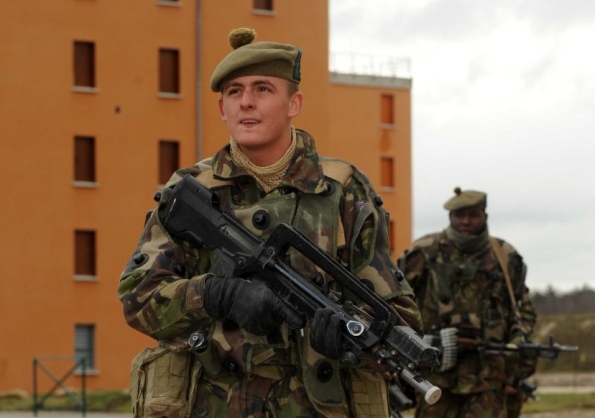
x=468 y=221
x=258 y=111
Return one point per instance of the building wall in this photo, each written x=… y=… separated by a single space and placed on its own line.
x=359 y=136
x=40 y=113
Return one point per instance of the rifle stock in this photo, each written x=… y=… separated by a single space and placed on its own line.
x=193 y=214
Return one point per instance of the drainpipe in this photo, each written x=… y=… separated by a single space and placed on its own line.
x=198 y=78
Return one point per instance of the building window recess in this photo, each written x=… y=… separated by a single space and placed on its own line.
x=84 y=67
x=387 y=111
x=169 y=160
x=84 y=347
x=169 y=73
x=85 y=255
x=387 y=173
x=263 y=7
x=391 y=234
x=173 y=3
x=84 y=161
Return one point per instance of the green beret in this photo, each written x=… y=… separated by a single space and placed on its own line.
x=258 y=58
x=464 y=199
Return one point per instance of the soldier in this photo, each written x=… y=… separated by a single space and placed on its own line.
x=462 y=291
x=261 y=360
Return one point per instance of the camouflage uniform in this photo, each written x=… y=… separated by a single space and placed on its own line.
x=244 y=375
x=467 y=290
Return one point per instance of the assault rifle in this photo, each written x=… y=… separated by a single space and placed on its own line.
x=192 y=213
x=525 y=349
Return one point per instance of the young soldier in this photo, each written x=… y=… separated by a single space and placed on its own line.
x=262 y=360
x=462 y=292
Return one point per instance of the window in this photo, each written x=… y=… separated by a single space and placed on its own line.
x=84 y=253
x=169 y=67
x=169 y=160
x=386 y=172
x=84 y=158
x=84 y=64
x=387 y=110
x=84 y=346
x=263 y=4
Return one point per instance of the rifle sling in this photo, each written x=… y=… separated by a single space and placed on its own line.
x=500 y=257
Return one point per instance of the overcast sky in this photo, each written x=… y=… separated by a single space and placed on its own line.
x=504 y=102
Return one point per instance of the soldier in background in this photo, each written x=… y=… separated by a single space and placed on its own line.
x=261 y=360
x=462 y=291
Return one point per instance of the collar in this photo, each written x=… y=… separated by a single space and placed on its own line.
x=304 y=172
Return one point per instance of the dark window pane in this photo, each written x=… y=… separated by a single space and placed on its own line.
x=84 y=251
x=84 y=345
x=169 y=160
x=387 y=109
x=84 y=158
x=263 y=4
x=169 y=78
x=84 y=64
x=386 y=172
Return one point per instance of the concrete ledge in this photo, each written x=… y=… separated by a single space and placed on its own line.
x=370 y=80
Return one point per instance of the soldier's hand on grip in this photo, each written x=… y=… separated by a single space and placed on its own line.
x=325 y=333
x=250 y=304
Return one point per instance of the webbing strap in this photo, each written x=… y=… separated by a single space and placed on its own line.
x=500 y=257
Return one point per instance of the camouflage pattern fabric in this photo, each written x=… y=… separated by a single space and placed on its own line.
x=468 y=291
x=244 y=375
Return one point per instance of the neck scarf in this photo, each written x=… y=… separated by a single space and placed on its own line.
x=469 y=243
x=270 y=176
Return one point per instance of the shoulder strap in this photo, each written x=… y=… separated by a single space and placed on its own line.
x=500 y=257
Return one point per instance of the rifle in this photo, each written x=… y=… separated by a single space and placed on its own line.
x=399 y=401
x=192 y=213
x=524 y=349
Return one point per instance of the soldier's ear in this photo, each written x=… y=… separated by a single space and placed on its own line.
x=222 y=110
x=295 y=104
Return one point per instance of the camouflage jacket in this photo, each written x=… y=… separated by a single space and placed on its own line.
x=468 y=291
x=162 y=286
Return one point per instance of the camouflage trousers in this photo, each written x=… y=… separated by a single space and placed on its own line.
x=252 y=396
x=514 y=404
x=488 y=404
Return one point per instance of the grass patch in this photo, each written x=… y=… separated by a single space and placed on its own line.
x=550 y=402
x=100 y=401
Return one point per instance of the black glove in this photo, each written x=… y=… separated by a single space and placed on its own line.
x=250 y=304
x=325 y=333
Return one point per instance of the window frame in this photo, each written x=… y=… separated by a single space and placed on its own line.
x=88 y=352
x=79 y=61
x=176 y=72
x=79 y=153
x=91 y=275
x=387 y=111
x=161 y=169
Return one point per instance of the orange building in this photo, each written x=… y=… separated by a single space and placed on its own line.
x=99 y=102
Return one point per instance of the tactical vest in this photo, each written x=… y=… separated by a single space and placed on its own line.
x=468 y=292
x=318 y=217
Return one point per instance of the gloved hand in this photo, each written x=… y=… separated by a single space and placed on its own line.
x=325 y=333
x=250 y=304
